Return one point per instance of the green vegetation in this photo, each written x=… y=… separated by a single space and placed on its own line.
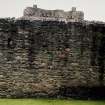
x=48 y=102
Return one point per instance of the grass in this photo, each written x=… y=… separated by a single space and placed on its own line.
x=48 y=102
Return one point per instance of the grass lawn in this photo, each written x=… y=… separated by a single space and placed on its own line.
x=48 y=102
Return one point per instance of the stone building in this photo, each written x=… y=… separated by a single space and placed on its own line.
x=35 y=13
x=48 y=58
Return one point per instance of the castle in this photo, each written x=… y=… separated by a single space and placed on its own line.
x=52 y=53
x=34 y=13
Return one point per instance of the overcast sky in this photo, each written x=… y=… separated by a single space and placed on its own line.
x=93 y=9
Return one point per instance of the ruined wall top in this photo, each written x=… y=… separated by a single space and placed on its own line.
x=35 y=13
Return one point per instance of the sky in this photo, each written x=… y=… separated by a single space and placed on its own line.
x=93 y=9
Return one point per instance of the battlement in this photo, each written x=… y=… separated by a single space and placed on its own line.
x=35 y=13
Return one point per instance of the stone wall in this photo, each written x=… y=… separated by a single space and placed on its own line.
x=51 y=59
x=34 y=13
